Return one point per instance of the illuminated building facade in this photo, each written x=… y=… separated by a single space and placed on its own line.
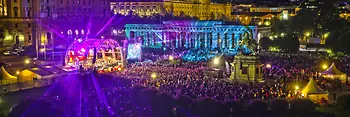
x=17 y=21
x=27 y=22
x=188 y=34
x=202 y=9
x=137 y=7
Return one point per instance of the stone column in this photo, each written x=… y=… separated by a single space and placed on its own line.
x=215 y=40
x=180 y=39
x=198 y=36
x=177 y=40
x=229 y=36
x=145 y=38
x=164 y=39
x=236 y=39
x=210 y=40
x=113 y=54
x=223 y=40
x=154 y=38
x=137 y=34
x=187 y=40
x=205 y=39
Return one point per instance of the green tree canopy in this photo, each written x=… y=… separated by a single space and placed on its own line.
x=265 y=42
x=343 y=42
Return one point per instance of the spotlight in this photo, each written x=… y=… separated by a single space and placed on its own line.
x=216 y=61
x=324 y=66
x=26 y=61
x=268 y=66
x=171 y=58
x=153 y=75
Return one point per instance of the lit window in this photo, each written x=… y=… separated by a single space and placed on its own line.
x=69 y=32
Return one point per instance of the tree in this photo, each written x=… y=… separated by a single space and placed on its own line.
x=257 y=108
x=206 y=107
x=231 y=108
x=279 y=107
x=184 y=105
x=279 y=26
x=265 y=43
x=328 y=18
x=182 y=14
x=2 y=35
x=134 y=94
x=224 y=18
x=288 y=43
x=302 y=107
x=146 y=97
x=3 y=27
x=304 y=21
x=343 y=42
x=163 y=105
x=344 y=101
x=212 y=16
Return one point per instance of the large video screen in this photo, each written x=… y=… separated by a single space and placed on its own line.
x=134 y=51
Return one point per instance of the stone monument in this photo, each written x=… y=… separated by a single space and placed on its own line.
x=246 y=66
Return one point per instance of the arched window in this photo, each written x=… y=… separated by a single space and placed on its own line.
x=15 y=11
x=82 y=31
x=76 y=32
x=69 y=32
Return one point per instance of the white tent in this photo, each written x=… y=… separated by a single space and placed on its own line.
x=7 y=78
x=333 y=73
x=314 y=92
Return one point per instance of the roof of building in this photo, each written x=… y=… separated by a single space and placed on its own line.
x=40 y=71
x=137 y=0
x=255 y=13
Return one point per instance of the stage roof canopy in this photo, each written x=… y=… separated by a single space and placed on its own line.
x=332 y=70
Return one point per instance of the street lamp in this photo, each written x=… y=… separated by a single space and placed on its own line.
x=153 y=75
x=216 y=61
x=171 y=58
x=17 y=72
x=296 y=87
x=282 y=34
x=307 y=34
x=42 y=49
x=324 y=66
x=26 y=61
x=268 y=66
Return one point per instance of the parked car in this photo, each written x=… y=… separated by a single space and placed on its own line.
x=7 y=53
x=14 y=53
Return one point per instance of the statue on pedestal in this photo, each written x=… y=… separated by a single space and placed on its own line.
x=246 y=65
x=247 y=44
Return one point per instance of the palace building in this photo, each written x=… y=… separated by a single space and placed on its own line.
x=189 y=34
x=27 y=22
x=202 y=9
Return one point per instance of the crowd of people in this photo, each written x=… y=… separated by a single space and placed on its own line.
x=163 y=89
x=190 y=80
